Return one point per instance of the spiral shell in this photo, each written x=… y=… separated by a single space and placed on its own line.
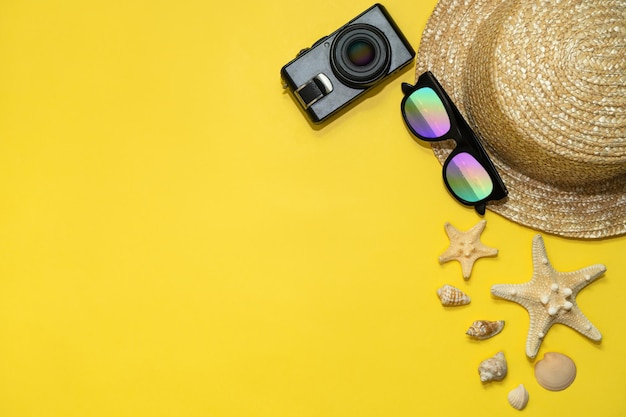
x=452 y=296
x=555 y=371
x=493 y=369
x=518 y=397
x=484 y=329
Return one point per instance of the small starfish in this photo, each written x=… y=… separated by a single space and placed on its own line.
x=550 y=297
x=466 y=247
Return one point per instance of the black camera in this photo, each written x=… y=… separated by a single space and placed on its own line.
x=340 y=67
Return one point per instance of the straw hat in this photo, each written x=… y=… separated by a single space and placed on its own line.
x=543 y=84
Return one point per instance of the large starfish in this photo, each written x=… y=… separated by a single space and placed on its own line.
x=466 y=247
x=550 y=297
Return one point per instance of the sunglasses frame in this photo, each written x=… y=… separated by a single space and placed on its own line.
x=462 y=134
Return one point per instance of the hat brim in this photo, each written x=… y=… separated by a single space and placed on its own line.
x=586 y=212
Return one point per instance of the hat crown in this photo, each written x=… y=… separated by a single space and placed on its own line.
x=545 y=88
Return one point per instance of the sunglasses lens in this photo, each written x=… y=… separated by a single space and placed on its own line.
x=467 y=178
x=426 y=114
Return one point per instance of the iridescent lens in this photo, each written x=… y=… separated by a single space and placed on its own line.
x=360 y=53
x=426 y=114
x=467 y=178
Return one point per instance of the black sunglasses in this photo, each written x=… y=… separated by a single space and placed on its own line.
x=468 y=172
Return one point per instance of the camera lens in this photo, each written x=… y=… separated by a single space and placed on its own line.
x=360 y=55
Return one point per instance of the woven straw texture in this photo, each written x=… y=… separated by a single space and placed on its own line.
x=543 y=84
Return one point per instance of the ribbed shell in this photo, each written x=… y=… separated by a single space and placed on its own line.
x=452 y=296
x=518 y=397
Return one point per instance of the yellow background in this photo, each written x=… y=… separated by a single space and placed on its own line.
x=176 y=239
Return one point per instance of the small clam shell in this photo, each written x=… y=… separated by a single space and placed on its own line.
x=518 y=397
x=555 y=371
x=484 y=329
x=493 y=369
x=452 y=296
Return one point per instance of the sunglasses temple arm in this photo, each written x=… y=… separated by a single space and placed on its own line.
x=407 y=88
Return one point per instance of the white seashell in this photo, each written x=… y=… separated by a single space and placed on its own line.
x=555 y=371
x=484 y=329
x=493 y=369
x=452 y=296
x=518 y=397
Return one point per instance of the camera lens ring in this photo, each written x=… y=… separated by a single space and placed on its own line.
x=360 y=55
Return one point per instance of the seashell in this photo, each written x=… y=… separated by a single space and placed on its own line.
x=452 y=296
x=484 y=329
x=493 y=369
x=555 y=371
x=518 y=397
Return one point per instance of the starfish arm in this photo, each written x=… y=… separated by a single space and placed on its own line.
x=453 y=255
x=451 y=231
x=481 y=251
x=478 y=228
x=577 y=321
x=579 y=279
x=517 y=293
x=540 y=323
x=447 y=256
x=541 y=263
x=540 y=320
x=450 y=253
x=466 y=266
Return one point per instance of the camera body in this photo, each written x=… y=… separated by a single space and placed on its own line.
x=340 y=67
